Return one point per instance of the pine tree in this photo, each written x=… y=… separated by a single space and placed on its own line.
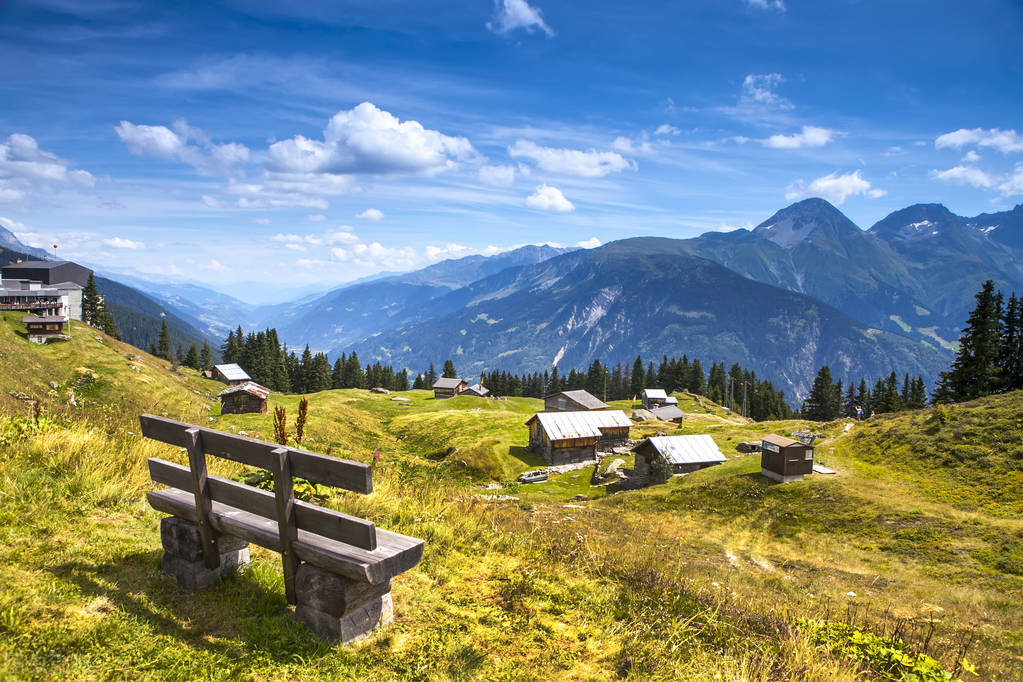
x=697 y=382
x=205 y=356
x=975 y=371
x=163 y=348
x=90 y=301
x=192 y=357
x=638 y=382
x=822 y=404
x=449 y=370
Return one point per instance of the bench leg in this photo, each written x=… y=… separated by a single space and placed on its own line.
x=338 y=609
x=183 y=558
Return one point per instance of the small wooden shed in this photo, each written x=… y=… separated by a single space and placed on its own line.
x=448 y=388
x=573 y=401
x=568 y=437
x=247 y=398
x=678 y=455
x=42 y=329
x=785 y=460
x=654 y=397
x=231 y=373
x=476 y=390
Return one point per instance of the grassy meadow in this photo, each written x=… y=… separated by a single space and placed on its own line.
x=915 y=545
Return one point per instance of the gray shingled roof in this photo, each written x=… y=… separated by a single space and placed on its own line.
x=654 y=393
x=445 y=382
x=585 y=424
x=584 y=398
x=667 y=413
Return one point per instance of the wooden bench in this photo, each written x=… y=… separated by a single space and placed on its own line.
x=337 y=568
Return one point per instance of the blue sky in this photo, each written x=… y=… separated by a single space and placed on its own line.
x=232 y=143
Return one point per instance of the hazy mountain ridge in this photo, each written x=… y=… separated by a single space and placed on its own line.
x=615 y=302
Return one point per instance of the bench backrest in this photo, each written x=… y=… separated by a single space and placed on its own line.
x=281 y=506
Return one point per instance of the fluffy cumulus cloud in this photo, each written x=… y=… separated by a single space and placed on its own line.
x=1013 y=184
x=343 y=235
x=501 y=176
x=587 y=164
x=547 y=198
x=370 y=214
x=964 y=175
x=368 y=140
x=834 y=187
x=1005 y=141
x=510 y=15
x=809 y=136
x=25 y=168
x=760 y=89
x=971 y=157
x=279 y=190
x=184 y=144
x=590 y=243
x=666 y=129
x=121 y=243
x=777 y=5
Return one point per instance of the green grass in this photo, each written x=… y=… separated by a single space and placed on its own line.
x=704 y=577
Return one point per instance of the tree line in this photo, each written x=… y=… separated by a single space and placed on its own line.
x=828 y=400
x=272 y=364
x=725 y=386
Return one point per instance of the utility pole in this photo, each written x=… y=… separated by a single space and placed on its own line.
x=744 y=399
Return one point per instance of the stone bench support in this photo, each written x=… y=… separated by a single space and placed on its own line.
x=183 y=557
x=339 y=609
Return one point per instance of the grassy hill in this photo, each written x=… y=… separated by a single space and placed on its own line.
x=705 y=577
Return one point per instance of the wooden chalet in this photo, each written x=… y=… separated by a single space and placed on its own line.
x=679 y=455
x=569 y=437
x=230 y=373
x=42 y=329
x=573 y=401
x=668 y=413
x=476 y=390
x=654 y=397
x=448 y=388
x=247 y=398
x=785 y=460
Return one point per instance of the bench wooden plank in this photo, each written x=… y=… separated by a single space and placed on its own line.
x=312 y=466
x=395 y=553
x=326 y=522
x=201 y=492
x=287 y=526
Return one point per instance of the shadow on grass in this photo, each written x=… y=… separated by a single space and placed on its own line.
x=237 y=617
x=526 y=456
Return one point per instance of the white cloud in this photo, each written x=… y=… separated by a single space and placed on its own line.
x=24 y=168
x=1013 y=184
x=587 y=164
x=835 y=188
x=547 y=198
x=502 y=176
x=174 y=145
x=965 y=175
x=368 y=140
x=810 y=136
x=590 y=243
x=215 y=266
x=665 y=129
x=370 y=214
x=629 y=146
x=262 y=221
x=1004 y=141
x=120 y=243
x=276 y=190
x=971 y=157
x=759 y=88
x=512 y=14
x=316 y=218
x=778 y=5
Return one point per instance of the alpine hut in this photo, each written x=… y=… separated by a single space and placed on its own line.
x=668 y=413
x=785 y=460
x=573 y=401
x=448 y=388
x=654 y=397
x=476 y=390
x=42 y=329
x=230 y=373
x=568 y=437
x=676 y=455
x=246 y=398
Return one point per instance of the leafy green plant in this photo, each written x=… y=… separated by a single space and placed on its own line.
x=883 y=657
x=304 y=490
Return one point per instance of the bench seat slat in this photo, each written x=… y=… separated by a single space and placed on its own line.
x=312 y=466
x=326 y=522
x=395 y=553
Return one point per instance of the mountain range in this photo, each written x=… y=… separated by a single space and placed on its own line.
x=804 y=288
